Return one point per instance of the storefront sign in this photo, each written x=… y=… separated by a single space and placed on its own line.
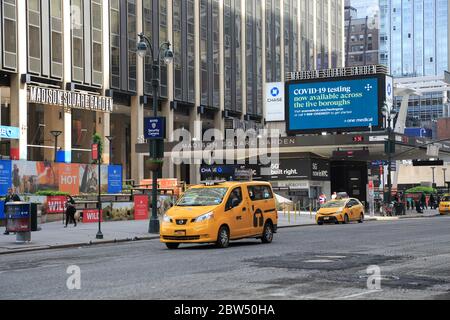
x=114 y=179
x=337 y=72
x=91 y=215
x=9 y=132
x=275 y=101
x=140 y=207
x=56 y=204
x=69 y=99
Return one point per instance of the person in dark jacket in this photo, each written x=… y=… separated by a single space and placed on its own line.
x=423 y=201
x=432 y=202
x=70 y=211
x=11 y=197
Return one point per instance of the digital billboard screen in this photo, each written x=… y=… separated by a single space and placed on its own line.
x=334 y=104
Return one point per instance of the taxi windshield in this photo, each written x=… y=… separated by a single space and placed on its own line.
x=199 y=197
x=334 y=204
x=445 y=199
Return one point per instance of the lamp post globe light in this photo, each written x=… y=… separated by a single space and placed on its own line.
x=144 y=46
x=389 y=114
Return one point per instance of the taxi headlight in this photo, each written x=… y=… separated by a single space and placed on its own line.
x=204 y=217
x=166 y=218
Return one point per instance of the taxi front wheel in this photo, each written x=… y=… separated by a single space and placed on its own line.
x=223 y=238
x=172 y=246
x=267 y=235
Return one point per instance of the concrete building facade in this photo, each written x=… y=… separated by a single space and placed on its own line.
x=225 y=52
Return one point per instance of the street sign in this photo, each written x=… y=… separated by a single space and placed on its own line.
x=95 y=151
x=389 y=91
x=155 y=128
x=427 y=163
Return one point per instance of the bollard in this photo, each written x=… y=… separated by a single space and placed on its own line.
x=310 y=212
x=289 y=216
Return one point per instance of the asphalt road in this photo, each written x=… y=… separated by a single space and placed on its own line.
x=319 y=262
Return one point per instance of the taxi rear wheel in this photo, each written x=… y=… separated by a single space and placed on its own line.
x=172 y=246
x=267 y=235
x=361 y=218
x=223 y=237
x=346 y=219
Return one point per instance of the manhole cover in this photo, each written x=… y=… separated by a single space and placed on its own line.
x=319 y=261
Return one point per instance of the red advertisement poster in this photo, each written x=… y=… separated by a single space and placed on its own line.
x=56 y=204
x=140 y=207
x=68 y=176
x=90 y=215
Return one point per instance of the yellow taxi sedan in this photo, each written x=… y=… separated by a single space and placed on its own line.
x=340 y=211
x=444 y=205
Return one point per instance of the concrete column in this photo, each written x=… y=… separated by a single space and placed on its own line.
x=282 y=31
x=19 y=103
x=264 y=66
x=314 y=62
x=244 y=57
x=137 y=110
x=168 y=168
x=219 y=122
x=195 y=127
x=67 y=55
x=105 y=127
x=299 y=35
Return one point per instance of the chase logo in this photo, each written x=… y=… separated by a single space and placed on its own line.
x=275 y=92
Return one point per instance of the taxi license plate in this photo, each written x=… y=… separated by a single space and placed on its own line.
x=180 y=233
x=326 y=218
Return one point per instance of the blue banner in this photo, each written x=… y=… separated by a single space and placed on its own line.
x=5 y=176
x=155 y=128
x=2 y=210
x=114 y=179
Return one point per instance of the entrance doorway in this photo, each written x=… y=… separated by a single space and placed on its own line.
x=350 y=177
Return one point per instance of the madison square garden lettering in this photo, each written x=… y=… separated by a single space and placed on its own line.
x=68 y=99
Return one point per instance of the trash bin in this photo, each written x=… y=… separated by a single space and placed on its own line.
x=18 y=220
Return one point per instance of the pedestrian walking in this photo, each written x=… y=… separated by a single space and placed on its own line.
x=432 y=202
x=334 y=196
x=423 y=201
x=10 y=197
x=70 y=211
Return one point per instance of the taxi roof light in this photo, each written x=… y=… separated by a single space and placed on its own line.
x=212 y=182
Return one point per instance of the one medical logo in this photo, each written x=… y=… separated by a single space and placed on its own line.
x=275 y=92
x=368 y=87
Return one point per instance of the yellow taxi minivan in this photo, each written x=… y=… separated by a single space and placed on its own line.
x=217 y=212
x=444 y=205
x=340 y=211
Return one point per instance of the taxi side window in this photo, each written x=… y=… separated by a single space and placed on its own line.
x=235 y=199
x=257 y=193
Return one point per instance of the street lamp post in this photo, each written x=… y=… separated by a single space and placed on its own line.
x=432 y=169
x=444 y=170
x=143 y=47
x=389 y=114
x=110 y=139
x=56 y=134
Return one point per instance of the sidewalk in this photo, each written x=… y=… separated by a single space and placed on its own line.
x=53 y=235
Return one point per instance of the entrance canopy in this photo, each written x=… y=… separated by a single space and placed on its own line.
x=407 y=148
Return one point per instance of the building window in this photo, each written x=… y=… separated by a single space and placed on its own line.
x=77 y=43
x=97 y=41
x=114 y=20
x=56 y=39
x=9 y=35
x=34 y=36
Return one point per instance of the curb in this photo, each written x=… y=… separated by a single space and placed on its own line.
x=81 y=244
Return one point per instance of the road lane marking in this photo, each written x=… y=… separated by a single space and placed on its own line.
x=359 y=294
